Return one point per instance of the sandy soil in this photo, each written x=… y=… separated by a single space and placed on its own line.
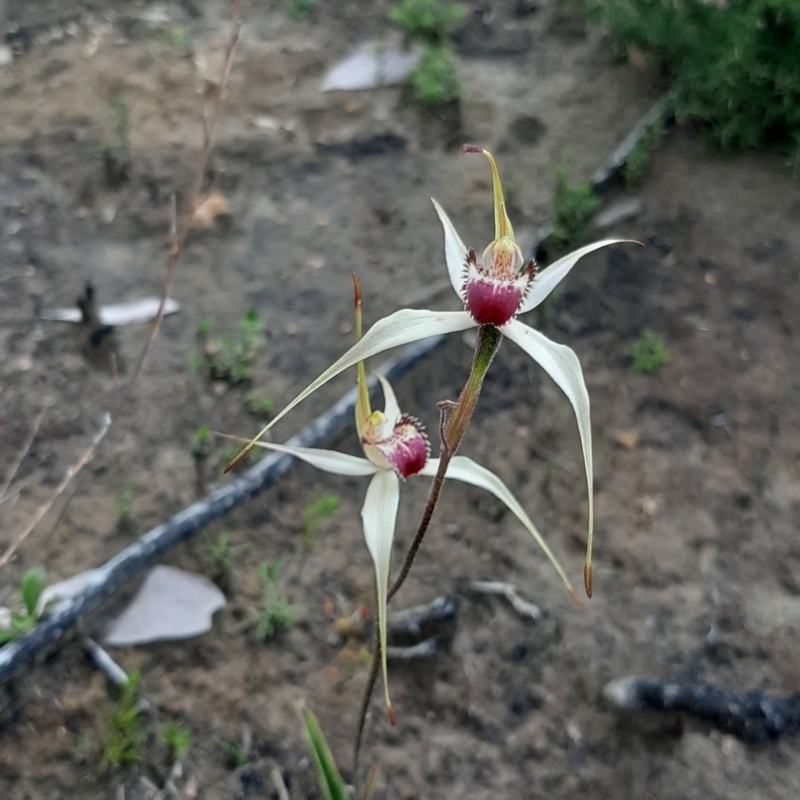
x=697 y=466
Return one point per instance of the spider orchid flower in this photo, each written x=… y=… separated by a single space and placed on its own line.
x=495 y=289
x=395 y=448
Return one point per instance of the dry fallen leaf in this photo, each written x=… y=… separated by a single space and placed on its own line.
x=371 y=66
x=626 y=439
x=210 y=207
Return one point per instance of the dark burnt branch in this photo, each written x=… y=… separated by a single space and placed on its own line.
x=753 y=717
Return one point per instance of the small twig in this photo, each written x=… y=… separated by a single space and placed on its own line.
x=754 y=717
x=410 y=621
x=68 y=476
x=26 y=446
x=178 y=234
x=113 y=671
x=523 y=607
x=279 y=784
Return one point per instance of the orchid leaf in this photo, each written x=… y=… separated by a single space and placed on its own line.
x=330 y=781
x=562 y=365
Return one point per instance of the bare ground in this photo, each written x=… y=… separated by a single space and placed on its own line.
x=695 y=522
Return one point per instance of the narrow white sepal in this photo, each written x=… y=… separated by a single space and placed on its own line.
x=466 y=470
x=550 y=277
x=326 y=460
x=402 y=327
x=391 y=409
x=562 y=365
x=455 y=253
x=379 y=516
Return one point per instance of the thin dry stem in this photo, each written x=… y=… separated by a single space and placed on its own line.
x=68 y=476
x=12 y=472
x=179 y=234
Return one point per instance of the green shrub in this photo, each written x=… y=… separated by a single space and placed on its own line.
x=434 y=82
x=735 y=65
x=427 y=20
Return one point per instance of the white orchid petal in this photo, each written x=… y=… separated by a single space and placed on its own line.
x=402 y=327
x=466 y=470
x=455 y=253
x=550 y=277
x=379 y=516
x=326 y=460
x=562 y=365
x=391 y=409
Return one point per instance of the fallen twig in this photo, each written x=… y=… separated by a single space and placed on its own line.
x=186 y=523
x=411 y=621
x=425 y=649
x=523 y=607
x=754 y=717
x=113 y=671
x=68 y=476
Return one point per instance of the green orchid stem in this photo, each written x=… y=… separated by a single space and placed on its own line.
x=486 y=347
x=489 y=339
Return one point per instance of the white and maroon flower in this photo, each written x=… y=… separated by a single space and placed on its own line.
x=495 y=290
x=396 y=447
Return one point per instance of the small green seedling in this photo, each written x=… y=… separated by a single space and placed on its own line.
x=427 y=20
x=574 y=206
x=434 y=82
x=230 y=359
x=123 y=504
x=234 y=752
x=258 y=406
x=177 y=737
x=300 y=9
x=221 y=551
x=315 y=512
x=31 y=586
x=201 y=443
x=649 y=352
x=124 y=732
x=276 y=611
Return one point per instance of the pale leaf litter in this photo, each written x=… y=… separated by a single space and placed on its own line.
x=371 y=66
x=170 y=604
x=133 y=313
